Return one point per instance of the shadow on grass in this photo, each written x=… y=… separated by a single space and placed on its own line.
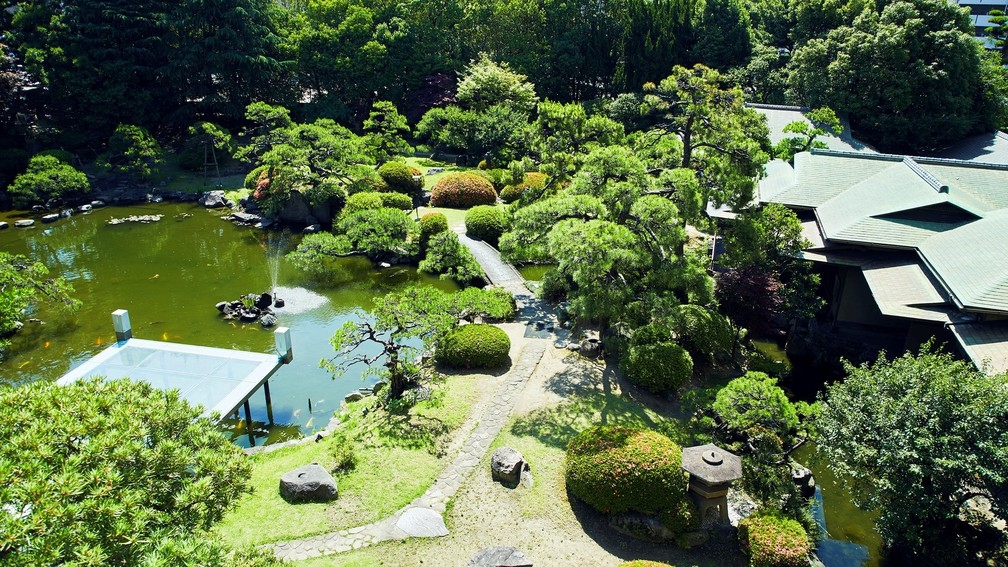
x=406 y=430
x=721 y=550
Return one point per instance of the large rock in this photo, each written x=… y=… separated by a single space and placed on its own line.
x=297 y=210
x=422 y=522
x=641 y=526
x=310 y=483
x=213 y=199
x=499 y=557
x=507 y=466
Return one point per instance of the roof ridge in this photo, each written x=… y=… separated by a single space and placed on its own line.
x=1000 y=134
x=924 y=174
x=917 y=159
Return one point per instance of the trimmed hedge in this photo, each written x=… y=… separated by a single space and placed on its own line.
x=431 y=224
x=365 y=201
x=396 y=201
x=462 y=190
x=473 y=346
x=774 y=541
x=485 y=222
x=615 y=468
x=705 y=333
x=402 y=178
x=658 y=368
x=533 y=180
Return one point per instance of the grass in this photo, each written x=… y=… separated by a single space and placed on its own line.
x=398 y=457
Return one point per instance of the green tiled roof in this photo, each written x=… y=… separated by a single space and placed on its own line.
x=819 y=178
x=973 y=261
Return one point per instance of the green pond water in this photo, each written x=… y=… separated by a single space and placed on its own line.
x=169 y=275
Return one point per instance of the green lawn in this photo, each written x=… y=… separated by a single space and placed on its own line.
x=398 y=457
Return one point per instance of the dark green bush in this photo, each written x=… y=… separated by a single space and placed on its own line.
x=252 y=179
x=554 y=286
x=682 y=518
x=363 y=178
x=132 y=150
x=380 y=234
x=343 y=453
x=446 y=256
x=397 y=201
x=497 y=177
x=705 y=333
x=533 y=180
x=402 y=178
x=658 y=368
x=473 y=346
x=431 y=224
x=615 y=468
x=365 y=201
x=652 y=333
x=485 y=222
x=462 y=190
x=774 y=541
x=48 y=181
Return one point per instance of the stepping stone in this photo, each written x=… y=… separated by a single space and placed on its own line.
x=24 y=223
x=422 y=522
x=499 y=557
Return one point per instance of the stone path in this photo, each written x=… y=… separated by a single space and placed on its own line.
x=423 y=517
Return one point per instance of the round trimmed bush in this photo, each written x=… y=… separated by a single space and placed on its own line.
x=366 y=201
x=473 y=346
x=615 y=468
x=705 y=333
x=431 y=224
x=533 y=180
x=402 y=178
x=658 y=368
x=774 y=541
x=462 y=190
x=397 y=201
x=485 y=222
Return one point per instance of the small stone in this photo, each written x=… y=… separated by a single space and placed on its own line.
x=84 y=208
x=422 y=522
x=311 y=229
x=24 y=223
x=573 y=347
x=502 y=556
x=310 y=483
x=4 y=225
x=378 y=386
x=268 y=320
x=354 y=396
x=507 y=466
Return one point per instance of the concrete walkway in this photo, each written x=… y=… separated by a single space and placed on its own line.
x=423 y=517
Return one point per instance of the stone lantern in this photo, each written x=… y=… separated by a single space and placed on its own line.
x=712 y=471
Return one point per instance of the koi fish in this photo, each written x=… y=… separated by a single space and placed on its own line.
x=154 y=277
x=25 y=363
x=46 y=345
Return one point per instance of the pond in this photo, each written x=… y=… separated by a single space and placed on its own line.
x=169 y=275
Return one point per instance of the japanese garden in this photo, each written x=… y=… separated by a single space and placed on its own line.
x=633 y=282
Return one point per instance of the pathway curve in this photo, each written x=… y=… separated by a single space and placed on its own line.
x=423 y=517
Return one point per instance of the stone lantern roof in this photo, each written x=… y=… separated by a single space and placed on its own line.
x=711 y=464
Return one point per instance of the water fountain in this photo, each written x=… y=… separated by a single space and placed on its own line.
x=275 y=244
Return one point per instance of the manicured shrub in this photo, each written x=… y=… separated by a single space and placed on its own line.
x=368 y=200
x=380 y=233
x=533 y=180
x=682 y=518
x=474 y=346
x=402 y=178
x=497 y=177
x=658 y=368
x=397 y=201
x=48 y=181
x=462 y=190
x=485 y=222
x=490 y=303
x=431 y=224
x=615 y=468
x=132 y=150
x=774 y=541
x=705 y=333
x=451 y=259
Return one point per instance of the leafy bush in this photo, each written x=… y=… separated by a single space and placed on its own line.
x=462 y=190
x=533 y=180
x=658 y=368
x=705 y=333
x=396 y=201
x=272 y=188
x=431 y=224
x=402 y=178
x=252 y=178
x=132 y=151
x=315 y=249
x=48 y=181
x=615 y=468
x=774 y=541
x=361 y=178
x=379 y=233
x=485 y=222
x=682 y=518
x=450 y=258
x=368 y=200
x=344 y=455
x=194 y=152
x=490 y=303
x=497 y=177
x=473 y=346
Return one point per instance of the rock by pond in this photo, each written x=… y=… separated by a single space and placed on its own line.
x=310 y=483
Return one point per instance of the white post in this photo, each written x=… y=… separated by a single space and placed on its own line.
x=121 y=323
x=283 y=343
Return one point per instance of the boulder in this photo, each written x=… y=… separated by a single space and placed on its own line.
x=297 y=210
x=803 y=479
x=51 y=217
x=265 y=301
x=641 y=526
x=507 y=466
x=213 y=199
x=222 y=305
x=268 y=320
x=502 y=556
x=84 y=208
x=311 y=229
x=378 y=386
x=422 y=522
x=24 y=223
x=310 y=483
x=98 y=203
x=247 y=219
x=354 y=396
x=591 y=347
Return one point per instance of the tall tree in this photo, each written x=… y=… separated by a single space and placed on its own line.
x=724 y=34
x=915 y=438
x=386 y=131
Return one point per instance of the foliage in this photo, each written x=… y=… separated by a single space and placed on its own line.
x=683 y=518
x=314 y=250
x=380 y=234
x=497 y=133
x=526 y=242
x=615 y=468
x=206 y=141
x=533 y=181
x=402 y=178
x=386 y=131
x=23 y=283
x=724 y=36
x=659 y=367
x=462 y=190
x=132 y=151
x=109 y=472
x=908 y=73
x=755 y=399
x=915 y=438
x=397 y=320
x=750 y=297
x=486 y=222
x=823 y=122
x=473 y=346
x=774 y=541
x=273 y=187
x=484 y=84
x=704 y=333
x=396 y=201
x=48 y=181
x=450 y=258
x=489 y=304
x=363 y=201
x=431 y=224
